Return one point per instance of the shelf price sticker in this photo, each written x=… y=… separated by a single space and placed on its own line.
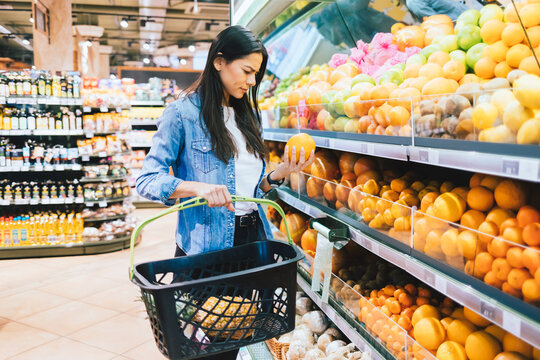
x=118 y=109
x=87 y=109
x=38 y=167
x=511 y=323
x=491 y=312
x=4 y=202
x=85 y=158
x=441 y=284
x=102 y=204
x=89 y=135
x=34 y=201
x=76 y=167
x=89 y=204
x=59 y=167
x=102 y=154
x=510 y=167
x=103 y=109
x=529 y=169
x=392 y=256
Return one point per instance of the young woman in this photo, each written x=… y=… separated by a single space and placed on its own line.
x=212 y=140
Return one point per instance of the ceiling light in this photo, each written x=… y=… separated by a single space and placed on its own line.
x=183 y=61
x=124 y=23
x=146 y=61
x=26 y=41
x=31 y=19
x=146 y=46
x=191 y=48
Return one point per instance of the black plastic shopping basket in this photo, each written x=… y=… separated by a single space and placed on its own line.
x=222 y=300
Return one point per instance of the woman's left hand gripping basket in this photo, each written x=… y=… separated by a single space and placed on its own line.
x=222 y=300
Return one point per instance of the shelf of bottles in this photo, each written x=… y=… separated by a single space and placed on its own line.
x=74 y=160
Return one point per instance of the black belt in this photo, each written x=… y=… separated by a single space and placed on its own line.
x=247 y=220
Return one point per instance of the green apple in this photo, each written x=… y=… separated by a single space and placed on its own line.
x=362 y=78
x=400 y=66
x=468 y=36
x=470 y=16
x=416 y=59
x=351 y=126
x=458 y=55
x=329 y=123
x=338 y=101
x=489 y=12
x=339 y=124
x=360 y=87
x=393 y=75
x=284 y=122
x=448 y=43
x=430 y=49
x=474 y=54
x=327 y=98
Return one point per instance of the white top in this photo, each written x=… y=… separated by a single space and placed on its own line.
x=247 y=169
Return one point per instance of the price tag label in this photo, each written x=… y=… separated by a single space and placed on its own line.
x=512 y=323
x=89 y=204
x=2 y=100
x=5 y=203
x=63 y=101
x=34 y=201
x=59 y=167
x=118 y=109
x=25 y=168
x=102 y=204
x=423 y=156
x=103 y=109
x=510 y=167
x=45 y=201
x=42 y=100
x=76 y=167
x=429 y=278
x=22 y=201
x=102 y=154
x=11 y=100
x=38 y=167
x=491 y=312
x=87 y=109
x=440 y=284
x=89 y=135
x=433 y=156
x=15 y=168
x=528 y=169
x=85 y=158
x=49 y=168
x=371 y=149
x=324 y=142
x=79 y=200
x=68 y=201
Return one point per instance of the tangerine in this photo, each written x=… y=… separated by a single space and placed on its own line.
x=472 y=219
x=451 y=350
x=454 y=70
x=510 y=194
x=531 y=290
x=515 y=344
x=516 y=54
x=481 y=345
x=485 y=68
x=491 y=30
x=501 y=70
x=516 y=278
x=498 y=247
x=475 y=318
x=514 y=256
x=424 y=311
x=459 y=330
x=512 y=34
x=487 y=231
x=531 y=258
x=430 y=333
x=531 y=234
x=498 y=215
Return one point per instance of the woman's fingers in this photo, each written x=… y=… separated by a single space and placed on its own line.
x=226 y=197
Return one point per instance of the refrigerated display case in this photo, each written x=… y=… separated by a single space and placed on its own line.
x=379 y=84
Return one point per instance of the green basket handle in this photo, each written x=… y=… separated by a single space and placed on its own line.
x=194 y=202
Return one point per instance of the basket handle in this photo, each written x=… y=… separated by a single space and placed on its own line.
x=194 y=202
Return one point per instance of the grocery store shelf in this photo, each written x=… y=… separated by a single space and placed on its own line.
x=29 y=100
x=343 y=325
x=518 y=167
x=143 y=123
x=104 y=218
x=87 y=203
x=101 y=179
x=42 y=132
x=147 y=103
x=103 y=154
x=392 y=147
x=41 y=168
x=141 y=145
x=510 y=313
x=103 y=109
x=87 y=248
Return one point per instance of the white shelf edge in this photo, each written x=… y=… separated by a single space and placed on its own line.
x=147 y=103
x=457 y=291
x=521 y=168
x=339 y=321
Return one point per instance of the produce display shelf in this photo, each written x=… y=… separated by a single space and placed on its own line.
x=512 y=314
x=41 y=168
x=86 y=248
x=104 y=218
x=350 y=331
x=101 y=179
x=391 y=147
x=507 y=160
x=30 y=100
x=147 y=103
x=88 y=203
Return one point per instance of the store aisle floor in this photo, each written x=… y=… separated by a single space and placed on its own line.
x=80 y=307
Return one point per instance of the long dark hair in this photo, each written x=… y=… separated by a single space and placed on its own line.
x=231 y=44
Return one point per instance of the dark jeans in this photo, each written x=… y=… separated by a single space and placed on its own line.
x=242 y=235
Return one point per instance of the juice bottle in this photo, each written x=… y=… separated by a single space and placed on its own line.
x=15 y=238
x=31 y=230
x=7 y=232
x=62 y=227
x=79 y=226
x=23 y=231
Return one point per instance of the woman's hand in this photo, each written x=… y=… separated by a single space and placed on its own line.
x=291 y=165
x=216 y=195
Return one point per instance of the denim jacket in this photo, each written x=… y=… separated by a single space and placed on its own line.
x=183 y=143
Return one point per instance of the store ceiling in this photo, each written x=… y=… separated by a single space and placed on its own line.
x=152 y=24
